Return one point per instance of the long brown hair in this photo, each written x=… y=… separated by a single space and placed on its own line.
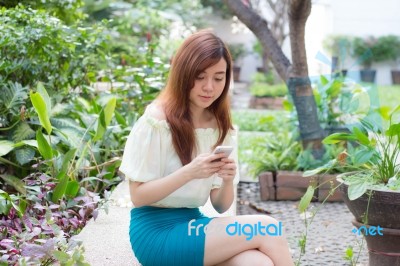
x=197 y=53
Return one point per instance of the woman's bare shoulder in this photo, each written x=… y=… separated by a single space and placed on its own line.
x=156 y=110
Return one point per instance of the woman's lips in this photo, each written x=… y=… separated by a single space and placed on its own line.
x=205 y=98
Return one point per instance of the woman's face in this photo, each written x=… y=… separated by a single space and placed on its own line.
x=208 y=86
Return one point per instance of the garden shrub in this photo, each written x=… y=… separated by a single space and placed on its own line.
x=266 y=90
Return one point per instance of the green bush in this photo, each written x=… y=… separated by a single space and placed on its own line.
x=237 y=50
x=270 y=151
x=259 y=89
x=35 y=46
x=371 y=49
x=263 y=78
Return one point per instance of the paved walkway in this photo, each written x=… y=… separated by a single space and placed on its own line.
x=328 y=236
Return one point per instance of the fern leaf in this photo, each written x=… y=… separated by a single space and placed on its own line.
x=12 y=97
x=24 y=155
x=22 y=132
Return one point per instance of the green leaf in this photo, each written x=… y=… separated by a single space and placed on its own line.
x=68 y=157
x=306 y=199
x=24 y=155
x=362 y=138
x=393 y=130
x=22 y=132
x=61 y=187
x=30 y=142
x=12 y=97
x=72 y=189
x=356 y=189
x=362 y=156
x=61 y=255
x=314 y=171
x=15 y=182
x=396 y=109
x=105 y=118
x=84 y=103
x=337 y=137
x=384 y=111
x=62 y=176
x=120 y=119
x=5 y=147
x=40 y=89
x=43 y=146
x=287 y=105
x=41 y=109
x=324 y=80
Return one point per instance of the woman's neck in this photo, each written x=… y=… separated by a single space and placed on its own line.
x=202 y=118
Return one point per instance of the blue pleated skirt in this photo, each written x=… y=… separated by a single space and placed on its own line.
x=161 y=236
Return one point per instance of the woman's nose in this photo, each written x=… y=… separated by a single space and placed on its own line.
x=208 y=85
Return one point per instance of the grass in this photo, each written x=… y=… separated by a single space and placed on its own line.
x=261 y=120
x=389 y=95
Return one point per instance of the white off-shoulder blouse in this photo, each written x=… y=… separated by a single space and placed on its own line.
x=149 y=154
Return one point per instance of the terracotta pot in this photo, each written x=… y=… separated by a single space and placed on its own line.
x=275 y=103
x=396 y=76
x=384 y=250
x=368 y=75
x=383 y=211
x=236 y=73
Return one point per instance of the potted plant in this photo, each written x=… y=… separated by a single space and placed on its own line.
x=396 y=57
x=264 y=93
x=237 y=51
x=339 y=46
x=371 y=187
x=370 y=50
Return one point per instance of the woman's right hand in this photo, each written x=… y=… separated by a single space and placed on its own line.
x=205 y=165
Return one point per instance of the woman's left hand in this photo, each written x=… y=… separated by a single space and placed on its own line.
x=228 y=171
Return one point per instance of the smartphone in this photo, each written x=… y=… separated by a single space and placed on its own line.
x=227 y=150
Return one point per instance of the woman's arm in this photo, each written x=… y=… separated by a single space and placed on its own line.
x=147 y=193
x=222 y=198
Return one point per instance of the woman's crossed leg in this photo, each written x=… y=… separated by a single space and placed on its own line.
x=246 y=240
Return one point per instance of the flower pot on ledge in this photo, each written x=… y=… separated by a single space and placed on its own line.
x=290 y=185
x=274 y=103
x=236 y=73
x=396 y=77
x=368 y=75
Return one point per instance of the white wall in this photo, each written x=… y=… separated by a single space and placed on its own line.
x=350 y=17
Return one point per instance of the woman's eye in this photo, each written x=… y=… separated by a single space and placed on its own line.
x=219 y=79
x=200 y=77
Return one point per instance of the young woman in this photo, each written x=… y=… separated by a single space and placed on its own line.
x=172 y=171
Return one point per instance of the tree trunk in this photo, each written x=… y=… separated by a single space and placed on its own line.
x=295 y=74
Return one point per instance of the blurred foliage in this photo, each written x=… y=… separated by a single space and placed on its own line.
x=69 y=11
x=259 y=89
x=218 y=7
x=34 y=46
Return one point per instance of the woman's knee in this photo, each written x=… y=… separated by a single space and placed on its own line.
x=249 y=257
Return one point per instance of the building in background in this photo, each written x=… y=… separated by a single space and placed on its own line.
x=360 y=18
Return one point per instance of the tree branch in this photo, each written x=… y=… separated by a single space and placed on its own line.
x=299 y=10
x=259 y=27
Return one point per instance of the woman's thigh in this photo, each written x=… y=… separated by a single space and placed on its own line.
x=227 y=237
